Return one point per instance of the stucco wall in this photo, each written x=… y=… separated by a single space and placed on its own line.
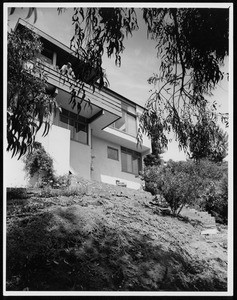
x=109 y=170
x=14 y=174
x=80 y=159
x=57 y=144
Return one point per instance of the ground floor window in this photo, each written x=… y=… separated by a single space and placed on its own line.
x=113 y=153
x=76 y=124
x=131 y=161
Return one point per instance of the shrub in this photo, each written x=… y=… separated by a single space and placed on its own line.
x=48 y=191
x=152 y=160
x=16 y=193
x=38 y=162
x=215 y=200
x=62 y=181
x=150 y=175
x=187 y=182
x=177 y=186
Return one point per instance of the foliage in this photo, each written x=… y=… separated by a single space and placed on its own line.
x=177 y=185
x=62 y=181
x=208 y=141
x=16 y=193
x=28 y=104
x=67 y=191
x=152 y=160
x=215 y=200
x=38 y=162
x=191 y=44
x=189 y=183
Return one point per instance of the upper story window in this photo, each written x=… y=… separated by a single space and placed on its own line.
x=128 y=122
x=76 y=124
x=47 y=55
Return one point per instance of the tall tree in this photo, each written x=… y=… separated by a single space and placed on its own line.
x=192 y=45
x=29 y=106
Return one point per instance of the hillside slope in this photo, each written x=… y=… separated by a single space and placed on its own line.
x=109 y=238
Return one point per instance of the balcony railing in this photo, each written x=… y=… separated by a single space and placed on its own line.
x=97 y=97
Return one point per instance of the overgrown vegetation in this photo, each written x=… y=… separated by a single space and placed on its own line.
x=203 y=185
x=29 y=106
x=39 y=164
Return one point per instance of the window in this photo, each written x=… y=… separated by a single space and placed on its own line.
x=47 y=55
x=128 y=121
x=113 y=153
x=77 y=125
x=131 y=161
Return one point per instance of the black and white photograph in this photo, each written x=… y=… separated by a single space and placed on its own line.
x=118 y=149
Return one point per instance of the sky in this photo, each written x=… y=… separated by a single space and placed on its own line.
x=139 y=61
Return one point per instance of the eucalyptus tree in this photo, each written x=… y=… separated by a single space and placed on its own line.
x=191 y=44
x=29 y=106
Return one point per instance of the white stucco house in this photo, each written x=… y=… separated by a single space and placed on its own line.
x=101 y=144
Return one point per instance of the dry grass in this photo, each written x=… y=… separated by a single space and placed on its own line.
x=105 y=239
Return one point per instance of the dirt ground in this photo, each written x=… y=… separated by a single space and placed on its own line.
x=109 y=238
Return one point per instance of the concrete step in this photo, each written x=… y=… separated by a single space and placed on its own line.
x=207 y=220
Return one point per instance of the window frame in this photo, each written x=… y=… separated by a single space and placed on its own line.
x=134 y=154
x=117 y=151
x=74 y=120
x=126 y=111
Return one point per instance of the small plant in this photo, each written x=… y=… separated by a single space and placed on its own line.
x=48 y=191
x=39 y=163
x=16 y=193
x=62 y=181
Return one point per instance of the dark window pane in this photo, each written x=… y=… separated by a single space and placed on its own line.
x=71 y=122
x=63 y=119
x=131 y=161
x=135 y=165
x=113 y=153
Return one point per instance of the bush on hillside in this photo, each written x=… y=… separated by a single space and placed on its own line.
x=39 y=163
x=177 y=186
x=215 y=200
x=62 y=181
x=16 y=193
x=189 y=183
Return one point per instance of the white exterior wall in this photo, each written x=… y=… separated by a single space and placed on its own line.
x=14 y=174
x=109 y=170
x=80 y=159
x=57 y=144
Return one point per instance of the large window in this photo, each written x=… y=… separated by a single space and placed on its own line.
x=77 y=125
x=128 y=121
x=131 y=161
